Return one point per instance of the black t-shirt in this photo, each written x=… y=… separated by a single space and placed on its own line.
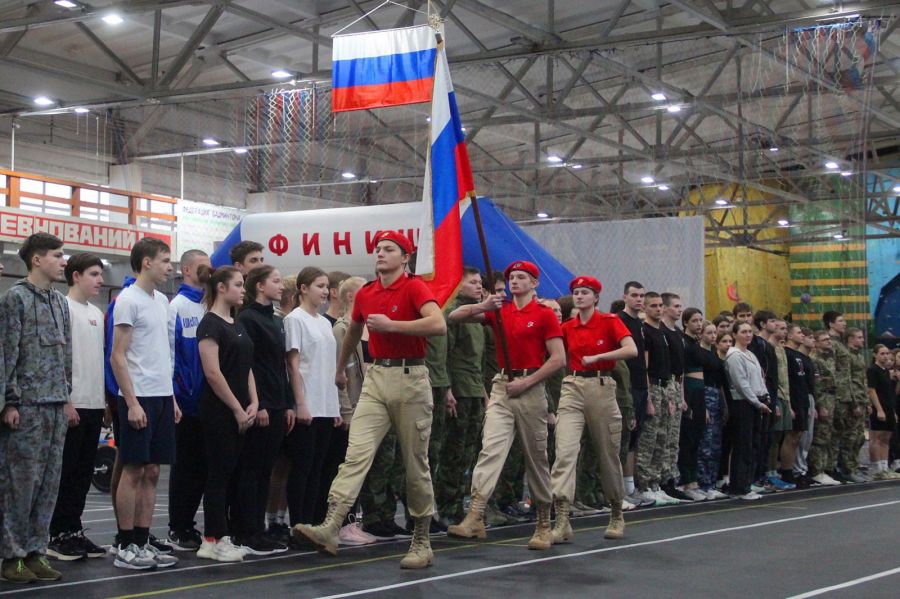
x=675 y=339
x=267 y=334
x=659 y=361
x=235 y=355
x=879 y=379
x=801 y=378
x=636 y=366
x=713 y=369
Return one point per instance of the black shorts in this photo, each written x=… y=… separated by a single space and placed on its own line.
x=801 y=420
x=153 y=444
x=889 y=423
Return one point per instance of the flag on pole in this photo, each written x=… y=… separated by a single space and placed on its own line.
x=383 y=68
x=448 y=181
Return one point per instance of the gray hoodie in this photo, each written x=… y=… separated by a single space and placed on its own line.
x=744 y=375
x=37 y=345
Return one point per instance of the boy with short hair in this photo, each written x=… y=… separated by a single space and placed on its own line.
x=37 y=350
x=246 y=256
x=84 y=275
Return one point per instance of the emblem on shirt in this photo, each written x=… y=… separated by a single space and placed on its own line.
x=599 y=341
x=394 y=309
x=530 y=323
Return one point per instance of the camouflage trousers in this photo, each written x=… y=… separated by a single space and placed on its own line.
x=385 y=483
x=711 y=444
x=821 y=456
x=462 y=442
x=438 y=434
x=651 y=450
x=673 y=432
x=849 y=436
x=587 y=474
x=30 y=467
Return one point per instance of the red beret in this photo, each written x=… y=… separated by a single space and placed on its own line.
x=399 y=238
x=524 y=266
x=586 y=281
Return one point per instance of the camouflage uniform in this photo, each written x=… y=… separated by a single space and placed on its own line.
x=856 y=426
x=821 y=456
x=384 y=484
x=842 y=440
x=462 y=435
x=651 y=449
x=436 y=361
x=622 y=376
x=37 y=352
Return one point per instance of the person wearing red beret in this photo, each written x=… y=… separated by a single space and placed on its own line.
x=518 y=403
x=399 y=312
x=594 y=342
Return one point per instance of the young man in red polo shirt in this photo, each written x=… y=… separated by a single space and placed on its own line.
x=594 y=342
x=518 y=404
x=400 y=312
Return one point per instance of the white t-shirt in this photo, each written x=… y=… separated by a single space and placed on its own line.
x=87 y=356
x=149 y=362
x=312 y=337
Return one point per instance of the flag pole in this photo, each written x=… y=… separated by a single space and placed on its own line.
x=504 y=347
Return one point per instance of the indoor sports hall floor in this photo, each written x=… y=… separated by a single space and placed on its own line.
x=839 y=542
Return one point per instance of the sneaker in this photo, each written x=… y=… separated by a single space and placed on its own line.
x=721 y=483
x=714 y=494
x=637 y=498
x=41 y=568
x=226 y=551
x=207 y=549
x=160 y=546
x=751 y=496
x=648 y=496
x=676 y=493
x=163 y=560
x=663 y=498
x=280 y=532
x=627 y=506
x=858 y=477
x=518 y=514
x=579 y=509
x=65 y=547
x=381 y=532
x=495 y=517
x=15 y=571
x=261 y=545
x=825 y=480
x=779 y=484
x=436 y=528
x=353 y=535
x=91 y=549
x=759 y=489
x=134 y=558
x=184 y=540
x=695 y=494
x=895 y=466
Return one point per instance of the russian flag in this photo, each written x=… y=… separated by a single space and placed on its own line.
x=448 y=180
x=383 y=68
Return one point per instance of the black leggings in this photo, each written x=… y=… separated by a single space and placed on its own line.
x=262 y=445
x=223 y=443
x=307 y=447
x=187 y=478
x=337 y=451
x=693 y=423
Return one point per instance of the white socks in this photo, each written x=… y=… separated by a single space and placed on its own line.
x=629 y=485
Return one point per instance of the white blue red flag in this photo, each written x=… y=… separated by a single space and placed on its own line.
x=448 y=181
x=383 y=68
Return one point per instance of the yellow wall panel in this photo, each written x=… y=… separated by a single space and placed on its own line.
x=760 y=278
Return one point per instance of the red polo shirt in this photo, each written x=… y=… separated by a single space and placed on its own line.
x=601 y=334
x=527 y=331
x=401 y=300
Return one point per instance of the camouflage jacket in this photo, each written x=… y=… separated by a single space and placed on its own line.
x=824 y=364
x=37 y=345
x=841 y=371
x=858 y=368
x=622 y=376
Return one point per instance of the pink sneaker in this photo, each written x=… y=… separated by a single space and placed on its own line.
x=352 y=534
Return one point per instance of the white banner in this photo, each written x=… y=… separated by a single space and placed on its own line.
x=201 y=226
x=332 y=239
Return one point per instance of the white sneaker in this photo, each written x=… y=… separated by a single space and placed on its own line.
x=895 y=465
x=207 y=550
x=713 y=495
x=695 y=494
x=353 y=535
x=134 y=558
x=649 y=496
x=226 y=551
x=163 y=560
x=824 y=479
x=751 y=496
x=627 y=506
x=663 y=498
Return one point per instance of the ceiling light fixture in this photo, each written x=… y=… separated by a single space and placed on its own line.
x=113 y=19
x=543 y=215
x=348 y=175
x=659 y=96
x=65 y=3
x=897 y=189
x=576 y=166
x=832 y=165
x=211 y=142
x=648 y=179
x=81 y=110
x=773 y=149
x=554 y=159
x=673 y=108
x=846 y=173
x=44 y=101
x=240 y=150
x=722 y=202
x=281 y=74
x=783 y=222
x=663 y=187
